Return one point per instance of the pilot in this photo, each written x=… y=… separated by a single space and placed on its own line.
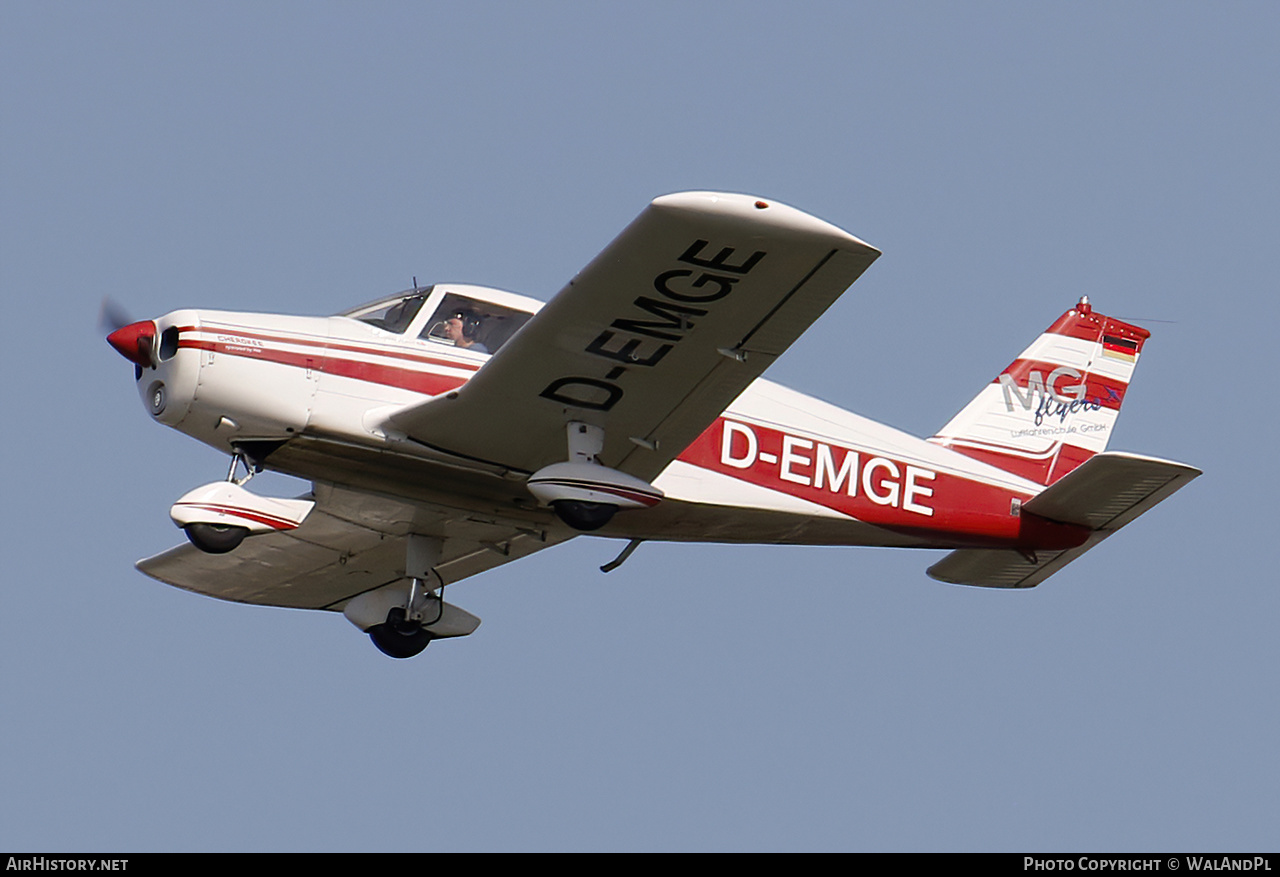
x=461 y=328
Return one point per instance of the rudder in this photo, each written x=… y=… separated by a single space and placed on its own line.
x=1055 y=406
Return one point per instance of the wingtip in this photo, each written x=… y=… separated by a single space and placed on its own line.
x=755 y=209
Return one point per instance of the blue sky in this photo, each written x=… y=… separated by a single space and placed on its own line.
x=300 y=158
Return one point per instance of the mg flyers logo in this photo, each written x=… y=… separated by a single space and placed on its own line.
x=825 y=469
x=1051 y=397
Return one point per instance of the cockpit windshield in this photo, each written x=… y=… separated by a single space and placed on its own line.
x=463 y=321
x=394 y=313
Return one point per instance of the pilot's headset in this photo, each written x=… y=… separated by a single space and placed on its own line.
x=470 y=323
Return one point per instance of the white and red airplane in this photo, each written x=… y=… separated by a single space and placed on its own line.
x=450 y=429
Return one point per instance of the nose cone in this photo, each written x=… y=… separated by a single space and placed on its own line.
x=135 y=342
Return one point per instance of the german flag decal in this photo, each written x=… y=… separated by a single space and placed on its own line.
x=1123 y=349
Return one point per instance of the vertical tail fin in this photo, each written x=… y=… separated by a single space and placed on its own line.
x=1055 y=406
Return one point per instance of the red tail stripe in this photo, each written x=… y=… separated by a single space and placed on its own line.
x=1092 y=326
x=1042 y=470
x=1108 y=391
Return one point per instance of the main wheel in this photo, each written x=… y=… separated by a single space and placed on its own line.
x=215 y=538
x=398 y=638
x=586 y=516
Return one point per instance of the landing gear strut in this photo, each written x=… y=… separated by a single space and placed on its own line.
x=404 y=633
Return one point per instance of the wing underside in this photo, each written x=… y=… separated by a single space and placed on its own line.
x=350 y=544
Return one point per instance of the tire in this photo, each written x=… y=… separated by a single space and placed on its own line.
x=215 y=538
x=397 y=638
x=584 y=516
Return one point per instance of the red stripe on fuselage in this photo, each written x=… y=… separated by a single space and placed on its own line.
x=892 y=494
x=345 y=345
x=429 y=383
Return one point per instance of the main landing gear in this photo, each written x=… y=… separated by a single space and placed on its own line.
x=405 y=632
x=585 y=516
x=398 y=637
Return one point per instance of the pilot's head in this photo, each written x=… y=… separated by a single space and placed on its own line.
x=461 y=328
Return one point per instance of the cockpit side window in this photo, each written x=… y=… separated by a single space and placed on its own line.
x=393 y=315
x=470 y=324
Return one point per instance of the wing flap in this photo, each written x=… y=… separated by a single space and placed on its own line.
x=1104 y=493
x=653 y=339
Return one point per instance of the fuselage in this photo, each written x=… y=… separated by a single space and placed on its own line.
x=312 y=397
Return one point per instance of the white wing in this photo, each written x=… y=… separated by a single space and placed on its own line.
x=653 y=339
